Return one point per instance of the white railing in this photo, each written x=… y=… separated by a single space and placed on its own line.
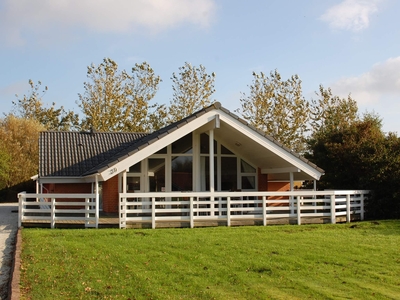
x=235 y=206
x=50 y=208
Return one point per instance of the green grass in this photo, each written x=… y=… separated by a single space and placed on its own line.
x=346 y=261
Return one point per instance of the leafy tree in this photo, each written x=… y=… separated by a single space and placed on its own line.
x=277 y=108
x=115 y=100
x=192 y=90
x=31 y=107
x=19 y=149
x=329 y=112
x=361 y=156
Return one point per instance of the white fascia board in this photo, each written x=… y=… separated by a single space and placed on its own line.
x=280 y=170
x=158 y=145
x=274 y=148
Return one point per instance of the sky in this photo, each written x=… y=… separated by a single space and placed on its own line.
x=351 y=46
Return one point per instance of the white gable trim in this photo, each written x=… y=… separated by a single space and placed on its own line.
x=164 y=141
x=217 y=115
x=273 y=147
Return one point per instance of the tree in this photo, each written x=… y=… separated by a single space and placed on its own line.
x=277 y=108
x=19 y=149
x=115 y=100
x=361 y=156
x=31 y=107
x=192 y=90
x=330 y=113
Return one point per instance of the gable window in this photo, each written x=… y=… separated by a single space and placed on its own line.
x=231 y=172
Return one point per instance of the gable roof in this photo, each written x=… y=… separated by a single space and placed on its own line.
x=74 y=153
x=85 y=154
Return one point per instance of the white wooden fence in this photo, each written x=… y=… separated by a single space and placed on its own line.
x=194 y=207
x=233 y=206
x=54 y=207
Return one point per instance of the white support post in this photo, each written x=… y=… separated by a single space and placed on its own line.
x=362 y=207
x=291 y=189
x=97 y=199
x=333 y=209
x=53 y=212
x=228 y=211
x=264 y=208
x=348 y=218
x=298 y=203
x=212 y=187
x=191 y=213
x=153 y=212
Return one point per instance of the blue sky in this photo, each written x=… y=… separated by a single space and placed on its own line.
x=352 y=46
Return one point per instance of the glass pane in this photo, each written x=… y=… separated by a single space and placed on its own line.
x=135 y=168
x=225 y=150
x=228 y=174
x=156 y=174
x=246 y=168
x=182 y=173
x=205 y=144
x=205 y=173
x=133 y=183
x=183 y=145
x=248 y=182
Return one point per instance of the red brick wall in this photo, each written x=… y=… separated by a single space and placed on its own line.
x=110 y=195
x=67 y=188
x=262 y=181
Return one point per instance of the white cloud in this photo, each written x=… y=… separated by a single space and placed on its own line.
x=381 y=82
x=19 y=18
x=351 y=15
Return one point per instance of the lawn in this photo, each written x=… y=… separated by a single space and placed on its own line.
x=343 y=261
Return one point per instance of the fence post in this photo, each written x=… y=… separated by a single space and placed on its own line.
x=122 y=212
x=153 y=212
x=191 y=213
x=298 y=210
x=333 y=209
x=53 y=212
x=21 y=208
x=264 y=207
x=228 y=211
x=87 y=214
x=362 y=207
x=348 y=218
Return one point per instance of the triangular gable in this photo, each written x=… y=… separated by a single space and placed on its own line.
x=266 y=153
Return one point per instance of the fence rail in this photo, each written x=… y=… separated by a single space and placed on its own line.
x=233 y=206
x=58 y=207
x=192 y=207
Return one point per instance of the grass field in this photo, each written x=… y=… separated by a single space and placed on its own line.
x=344 y=261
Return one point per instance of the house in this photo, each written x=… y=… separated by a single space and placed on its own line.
x=173 y=159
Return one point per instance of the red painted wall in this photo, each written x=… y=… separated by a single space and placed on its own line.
x=110 y=195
